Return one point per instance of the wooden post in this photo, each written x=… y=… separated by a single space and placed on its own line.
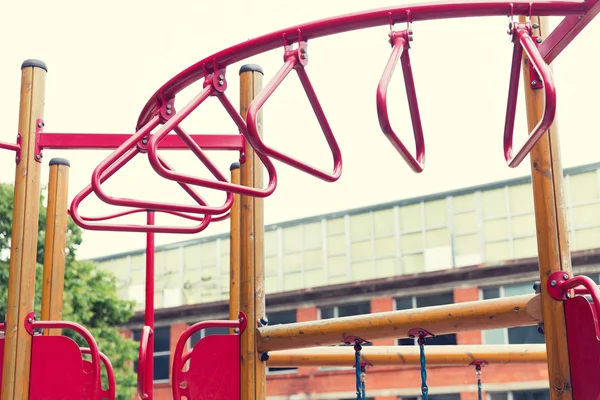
x=23 y=252
x=251 y=295
x=56 y=242
x=234 y=247
x=552 y=232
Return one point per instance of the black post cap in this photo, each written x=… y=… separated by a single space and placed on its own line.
x=251 y=68
x=34 y=63
x=235 y=165
x=60 y=161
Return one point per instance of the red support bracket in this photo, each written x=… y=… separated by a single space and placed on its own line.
x=13 y=147
x=400 y=45
x=523 y=42
x=419 y=333
x=478 y=364
x=39 y=130
x=294 y=59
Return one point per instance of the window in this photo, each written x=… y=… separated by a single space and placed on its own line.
x=162 y=345
x=521 y=395
x=518 y=335
x=207 y=332
x=281 y=317
x=407 y=303
x=346 y=310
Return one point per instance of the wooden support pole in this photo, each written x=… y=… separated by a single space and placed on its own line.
x=253 y=377
x=55 y=244
x=234 y=247
x=343 y=356
x=504 y=312
x=23 y=252
x=552 y=232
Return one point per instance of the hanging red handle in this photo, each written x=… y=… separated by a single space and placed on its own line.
x=214 y=85
x=294 y=60
x=142 y=360
x=111 y=392
x=121 y=156
x=91 y=223
x=523 y=42
x=399 y=41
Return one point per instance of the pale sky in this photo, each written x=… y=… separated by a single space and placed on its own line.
x=106 y=59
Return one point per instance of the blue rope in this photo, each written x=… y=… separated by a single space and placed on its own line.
x=360 y=381
x=479 y=395
x=424 y=388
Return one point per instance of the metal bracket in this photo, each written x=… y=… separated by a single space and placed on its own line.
x=39 y=130
x=29 y=319
x=349 y=340
x=420 y=333
x=535 y=81
x=554 y=285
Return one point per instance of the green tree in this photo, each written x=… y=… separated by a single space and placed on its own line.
x=90 y=295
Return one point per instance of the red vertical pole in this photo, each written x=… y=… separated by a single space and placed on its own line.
x=149 y=306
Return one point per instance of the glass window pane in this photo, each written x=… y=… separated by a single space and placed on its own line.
x=437 y=238
x=335 y=226
x=361 y=250
x=413 y=263
x=525 y=247
x=292 y=238
x=292 y=262
x=336 y=244
x=360 y=226
x=282 y=317
x=272 y=284
x=491 y=293
x=531 y=395
x=208 y=253
x=498 y=396
x=518 y=289
x=521 y=198
x=314 y=277
x=362 y=271
x=313 y=258
x=436 y=213
x=465 y=222
x=191 y=256
x=495 y=229
x=313 y=236
x=467 y=244
x=493 y=202
x=410 y=218
x=411 y=242
x=161 y=367
x=271 y=243
x=464 y=202
x=442 y=340
x=327 y=312
x=494 y=336
x=385 y=246
x=404 y=303
x=586 y=215
x=337 y=266
x=498 y=251
x=587 y=238
x=385 y=267
x=354 y=309
x=584 y=186
x=292 y=281
x=383 y=222
x=137 y=261
x=435 y=300
x=523 y=225
x=271 y=266
x=162 y=338
x=524 y=335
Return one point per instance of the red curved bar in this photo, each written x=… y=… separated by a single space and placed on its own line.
x=179 y=359
x=563 y=283
x=221 y=183
x=111 y=392
x=94 y=352
x=523 y=42
x=85 y=224
x=400 y=46
x=121 y=156
x=142 y=359
x=295 y=59
x=351 y=22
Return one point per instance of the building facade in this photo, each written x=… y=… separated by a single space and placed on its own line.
x=474 y=243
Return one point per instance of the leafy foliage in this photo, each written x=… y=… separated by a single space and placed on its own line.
x=90 y=295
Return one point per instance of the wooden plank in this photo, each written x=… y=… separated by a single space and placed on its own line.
x=55 y=243
x=23 y=252
x=552 y=232
x=504 y=312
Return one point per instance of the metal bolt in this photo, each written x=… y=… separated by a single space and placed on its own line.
x=16 y=159
x=242 y=319
x=534 y=82
x=538 y=40
x=38 y=157
x=221 y=77
x=264 y=356
x=39 y=124
x=30 y=320
x=535 y=26
x=169 y=106
x=169 y=111
x=263 y=321
x=568 y=295
x=303 y=56
x=303 y=50
x=553 y=283
x=565 y=277
x=236 y=330
x=145 y=140
x=221 y=82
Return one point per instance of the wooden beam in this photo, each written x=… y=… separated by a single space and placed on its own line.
x=23 y=252
x=343 y=356
x=55 y=244
x=552 y=232
x=250 y=86
x=459 y=317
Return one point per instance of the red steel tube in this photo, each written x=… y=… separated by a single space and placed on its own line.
x=293 y=61
x=399 y=42
x=149 y=305
x=222 y=182
x=356 y=21
x=525 y=43
x=145 y=364
x=110 y=373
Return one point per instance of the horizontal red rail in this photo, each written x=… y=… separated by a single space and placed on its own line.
x=103 y=141
x=356 y=21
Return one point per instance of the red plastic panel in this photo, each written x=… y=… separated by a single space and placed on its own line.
x=583 y=337
x=214 y=372
x=57 y=370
